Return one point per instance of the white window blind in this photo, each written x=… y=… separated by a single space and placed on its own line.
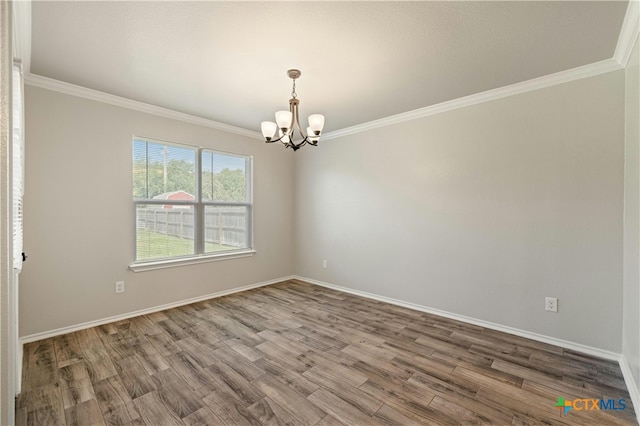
x=17 y=166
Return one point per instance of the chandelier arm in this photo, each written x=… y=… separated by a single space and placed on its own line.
x=299 y=145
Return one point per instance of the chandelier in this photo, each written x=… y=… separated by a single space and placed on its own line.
x=285 y=121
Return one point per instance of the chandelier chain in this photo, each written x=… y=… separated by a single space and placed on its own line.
x=293 y=91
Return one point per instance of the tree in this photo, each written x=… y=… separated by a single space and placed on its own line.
x=149 y=180
x=227 y=185
x=158 y=169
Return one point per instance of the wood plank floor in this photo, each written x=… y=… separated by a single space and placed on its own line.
x=295 y=353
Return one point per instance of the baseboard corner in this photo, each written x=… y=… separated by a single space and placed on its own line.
x=632 y=386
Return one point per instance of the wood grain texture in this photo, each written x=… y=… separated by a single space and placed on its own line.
x=298 y=354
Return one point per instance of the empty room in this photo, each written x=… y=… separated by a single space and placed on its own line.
x=320 y=213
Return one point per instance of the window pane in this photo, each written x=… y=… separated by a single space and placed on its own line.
x=164 y=231
x=224 y=177
x=163 y=171
x=226 y=228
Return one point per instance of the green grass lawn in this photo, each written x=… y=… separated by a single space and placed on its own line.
x=152 y=245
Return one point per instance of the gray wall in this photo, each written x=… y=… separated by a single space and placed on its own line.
x=78 y=179
x=631 y=289
x=481 y=211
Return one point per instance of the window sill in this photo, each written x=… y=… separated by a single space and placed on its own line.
x=161 y=264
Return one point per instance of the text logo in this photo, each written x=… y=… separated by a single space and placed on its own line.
x=588 y=404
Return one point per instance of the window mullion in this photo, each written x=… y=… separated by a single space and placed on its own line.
x=199 y=236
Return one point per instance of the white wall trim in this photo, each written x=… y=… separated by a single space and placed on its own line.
x=95 y=95
x=632 y=386
x=590 y=350
x=22 y=33
x=578 y=73
x=72 y=328
x=628 y=33
x=624 y=366
x=172 y=263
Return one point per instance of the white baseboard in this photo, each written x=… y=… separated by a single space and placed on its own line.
x=70 y=329
x=632 y=386
x=601 y=353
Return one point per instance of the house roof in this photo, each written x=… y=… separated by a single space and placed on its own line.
x=166 y=195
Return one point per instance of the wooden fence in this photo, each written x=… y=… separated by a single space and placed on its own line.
x=223 y=225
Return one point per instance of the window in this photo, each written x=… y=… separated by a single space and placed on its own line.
x=189 y=202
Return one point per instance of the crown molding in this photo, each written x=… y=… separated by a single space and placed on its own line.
x=35 y=80
x=628 y=33
x=626 y=40
x=578 y=73
x=22 y=33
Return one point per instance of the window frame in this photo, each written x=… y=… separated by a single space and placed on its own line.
x=199 y=208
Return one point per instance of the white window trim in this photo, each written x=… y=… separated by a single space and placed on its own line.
x=203 y=257
x=17 y=165
x=193 y=260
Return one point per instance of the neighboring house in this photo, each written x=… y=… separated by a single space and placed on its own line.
x=175 y=196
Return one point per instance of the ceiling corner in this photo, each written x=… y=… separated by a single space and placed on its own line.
x=628 y=33
x=22 y=33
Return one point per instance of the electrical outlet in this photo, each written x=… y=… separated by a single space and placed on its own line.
x=325 y=264
x=551 y=304
x=119 y=286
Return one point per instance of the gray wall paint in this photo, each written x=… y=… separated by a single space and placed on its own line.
x=482 y=211
x=631 y=290
x=79 y=214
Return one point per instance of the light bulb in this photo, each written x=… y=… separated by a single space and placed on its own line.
x=283 y=118
x=268 y=129
x=283 y=138
x=316 y=123
x=311 y=135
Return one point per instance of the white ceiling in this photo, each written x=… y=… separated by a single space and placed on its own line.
x=360 y=61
